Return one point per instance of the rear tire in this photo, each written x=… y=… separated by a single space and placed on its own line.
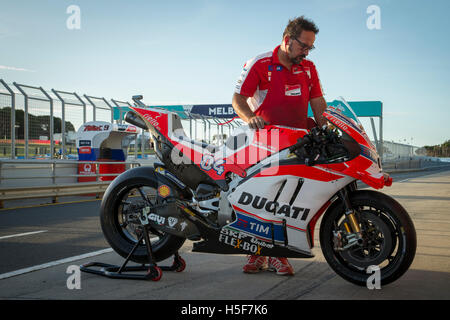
x=389 y=238
x=122 y=228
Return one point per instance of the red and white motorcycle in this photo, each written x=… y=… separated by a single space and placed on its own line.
x=260 y=193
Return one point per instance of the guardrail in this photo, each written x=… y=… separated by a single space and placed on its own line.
x=28 y=179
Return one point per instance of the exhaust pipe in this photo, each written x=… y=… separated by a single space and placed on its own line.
x=134 y=119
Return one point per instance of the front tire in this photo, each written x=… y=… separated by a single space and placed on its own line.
x=389 y=238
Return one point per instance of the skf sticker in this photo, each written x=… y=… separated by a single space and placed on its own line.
x=163 y=191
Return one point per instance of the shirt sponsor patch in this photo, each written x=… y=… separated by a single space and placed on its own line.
x=292 y=90
x=296 y=70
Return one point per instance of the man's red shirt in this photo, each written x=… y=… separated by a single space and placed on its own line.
x=278 y=95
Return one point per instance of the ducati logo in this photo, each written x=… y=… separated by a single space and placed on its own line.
x=260 y=203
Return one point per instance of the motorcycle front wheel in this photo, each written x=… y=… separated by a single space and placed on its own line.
x=119 y=219
x=387 y=244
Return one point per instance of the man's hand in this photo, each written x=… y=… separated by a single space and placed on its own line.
x=257 y=122
x=318 y=106
x=244 y=111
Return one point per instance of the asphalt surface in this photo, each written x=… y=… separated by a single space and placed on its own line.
x=39 y=243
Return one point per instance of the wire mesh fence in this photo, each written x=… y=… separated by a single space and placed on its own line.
x=37 y=123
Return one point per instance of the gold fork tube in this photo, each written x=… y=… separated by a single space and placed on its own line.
x=353 y=222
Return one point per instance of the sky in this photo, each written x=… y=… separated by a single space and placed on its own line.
x=193 y=51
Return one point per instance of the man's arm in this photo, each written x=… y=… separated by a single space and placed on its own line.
x=244 y=112
x=318 y=106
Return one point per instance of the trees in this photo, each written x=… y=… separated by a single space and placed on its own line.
x=38 y=125
x=439 y=150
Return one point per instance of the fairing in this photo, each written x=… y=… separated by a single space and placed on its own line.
x=275 y=196
x=366 y=166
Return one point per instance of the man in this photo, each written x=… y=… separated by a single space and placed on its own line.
x=275 y=88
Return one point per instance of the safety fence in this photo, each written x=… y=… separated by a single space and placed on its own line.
x=393 y=151
x=37 y=123
x=25 y=179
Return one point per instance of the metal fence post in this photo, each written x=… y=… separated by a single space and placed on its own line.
x=63 y=124
x=110 y=107
x=52 y=125
x=84 y=106
x=25 y=120
x=116 y=102
x=13 y=119
x=381 y=133
x=93 y=106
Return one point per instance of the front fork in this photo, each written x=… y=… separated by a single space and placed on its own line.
x=352 y=234
x=350 y=213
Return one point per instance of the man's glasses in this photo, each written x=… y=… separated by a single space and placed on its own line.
x=304 y=45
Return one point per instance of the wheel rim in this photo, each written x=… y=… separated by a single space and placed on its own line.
x=131 y=202
x=376 y=242
x=383 y=241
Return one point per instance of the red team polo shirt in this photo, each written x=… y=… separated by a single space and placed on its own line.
x=280 y=96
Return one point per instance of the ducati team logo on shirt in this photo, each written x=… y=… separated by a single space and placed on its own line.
x=292 y=90
x=296 y=70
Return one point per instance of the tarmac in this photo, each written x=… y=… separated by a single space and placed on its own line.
x=220 y=277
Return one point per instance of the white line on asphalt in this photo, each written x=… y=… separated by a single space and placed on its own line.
x=53 y=263
x=22 y=234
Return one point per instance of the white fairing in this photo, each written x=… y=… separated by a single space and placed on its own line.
x=297 y=211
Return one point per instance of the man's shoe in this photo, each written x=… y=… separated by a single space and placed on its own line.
x=281 y=266
x=255 y=264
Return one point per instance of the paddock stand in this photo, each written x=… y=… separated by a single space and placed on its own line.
x=153 y=272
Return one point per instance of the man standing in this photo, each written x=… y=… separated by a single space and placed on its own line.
x=275 y=88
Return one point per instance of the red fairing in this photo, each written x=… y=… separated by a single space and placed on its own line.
x=267 y=141
x=357 y=168
x=356 y=133
x=364 y=167
x=300 y=170
x=158 y=119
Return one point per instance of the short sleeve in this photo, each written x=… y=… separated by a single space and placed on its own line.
x=316 y=87
x=248 y=80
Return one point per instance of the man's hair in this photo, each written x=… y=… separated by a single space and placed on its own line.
x=297 y=25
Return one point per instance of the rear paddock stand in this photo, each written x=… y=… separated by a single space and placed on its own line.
x=153 y=271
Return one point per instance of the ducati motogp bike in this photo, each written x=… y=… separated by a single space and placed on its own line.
x=260 y=193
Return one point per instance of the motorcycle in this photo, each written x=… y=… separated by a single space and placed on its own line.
x=260 y=193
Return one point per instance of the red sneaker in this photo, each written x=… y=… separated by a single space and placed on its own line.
x=255 y=264
x=281 y=266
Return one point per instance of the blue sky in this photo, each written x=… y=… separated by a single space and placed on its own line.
x=188 y=52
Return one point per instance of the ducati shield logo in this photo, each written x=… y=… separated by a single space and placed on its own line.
x=293 y=90
x=172 y=221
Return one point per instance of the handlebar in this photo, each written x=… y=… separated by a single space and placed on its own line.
x=316 y=146
x=300 y=143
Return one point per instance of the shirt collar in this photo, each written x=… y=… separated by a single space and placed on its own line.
x=275 y=59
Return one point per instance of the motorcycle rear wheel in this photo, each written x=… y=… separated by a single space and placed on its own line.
x=122 y=228
x=388 y=242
